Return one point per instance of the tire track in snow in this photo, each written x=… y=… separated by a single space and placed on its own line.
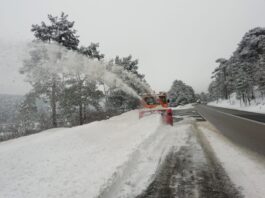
x=134 y=176
x=191 y=171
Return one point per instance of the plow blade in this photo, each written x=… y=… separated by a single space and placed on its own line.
x=166 y=114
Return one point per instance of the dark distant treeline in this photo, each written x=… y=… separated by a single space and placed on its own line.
x=9 y=107
x=8 y=110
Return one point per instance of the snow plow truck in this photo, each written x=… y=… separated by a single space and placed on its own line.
x=156 y=103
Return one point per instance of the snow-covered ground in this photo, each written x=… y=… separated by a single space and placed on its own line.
x=75 y=162
x=141 y=170
x=245 y=169
x=257 y=105
x=111 y=158
x=114 y=158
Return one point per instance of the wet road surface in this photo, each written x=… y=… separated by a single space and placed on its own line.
x=244 y=114
x=244 y=132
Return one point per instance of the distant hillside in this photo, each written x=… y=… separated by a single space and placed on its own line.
x=8 y=107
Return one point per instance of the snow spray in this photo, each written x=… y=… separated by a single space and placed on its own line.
x=58 y=59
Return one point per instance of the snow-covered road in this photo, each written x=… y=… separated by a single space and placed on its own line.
x=140 y=171
x=191 y=171
x=128 y=157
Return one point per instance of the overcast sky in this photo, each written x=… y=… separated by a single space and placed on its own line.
x=173 y=39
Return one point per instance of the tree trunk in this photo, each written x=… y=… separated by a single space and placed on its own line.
x=105 y=93
x=253 y=95
x=80 y=114
x=226 y=93
x=53 y=105
x=84 y=114
x=225 y=85
x=80 y=102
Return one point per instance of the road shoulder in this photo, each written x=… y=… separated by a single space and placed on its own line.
x=246 y=169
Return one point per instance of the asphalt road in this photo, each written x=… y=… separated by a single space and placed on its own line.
x=244 y=128
x=193 y=170
x=245 y=114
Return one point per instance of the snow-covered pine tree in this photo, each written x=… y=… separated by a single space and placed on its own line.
x=91 y=51
x=244 y=69
x=45 y=82
x=221 y=77
x=119 y=99
x=180 y=93
x=79 y=95
x=260 y=75
x=27 y=115
x=59 y=30
x=213 y=90
x=80 y=92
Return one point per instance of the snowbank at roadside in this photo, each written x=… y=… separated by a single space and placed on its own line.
x=257 y=105
x=246 y=170
x=74 y=162
x=136 y=176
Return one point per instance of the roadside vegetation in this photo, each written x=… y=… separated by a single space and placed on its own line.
x=180 y=93
x=65 y=99
x=243 y=74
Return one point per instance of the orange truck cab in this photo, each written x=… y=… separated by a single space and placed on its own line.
x=156 y=103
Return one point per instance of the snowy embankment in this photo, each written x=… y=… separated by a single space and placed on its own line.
x=257 y=105
x=245 y=169
x=76 y=162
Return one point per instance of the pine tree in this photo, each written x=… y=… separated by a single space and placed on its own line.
x=180 y=93
x=260 y=75
x=27 y=115
x=244 y=70
x=45 y=82
x=80 y=94
x=221 y=76
x=213 y=91
x=128 y=64
x=127 y=69
x=91 y=51
x=60 y=30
